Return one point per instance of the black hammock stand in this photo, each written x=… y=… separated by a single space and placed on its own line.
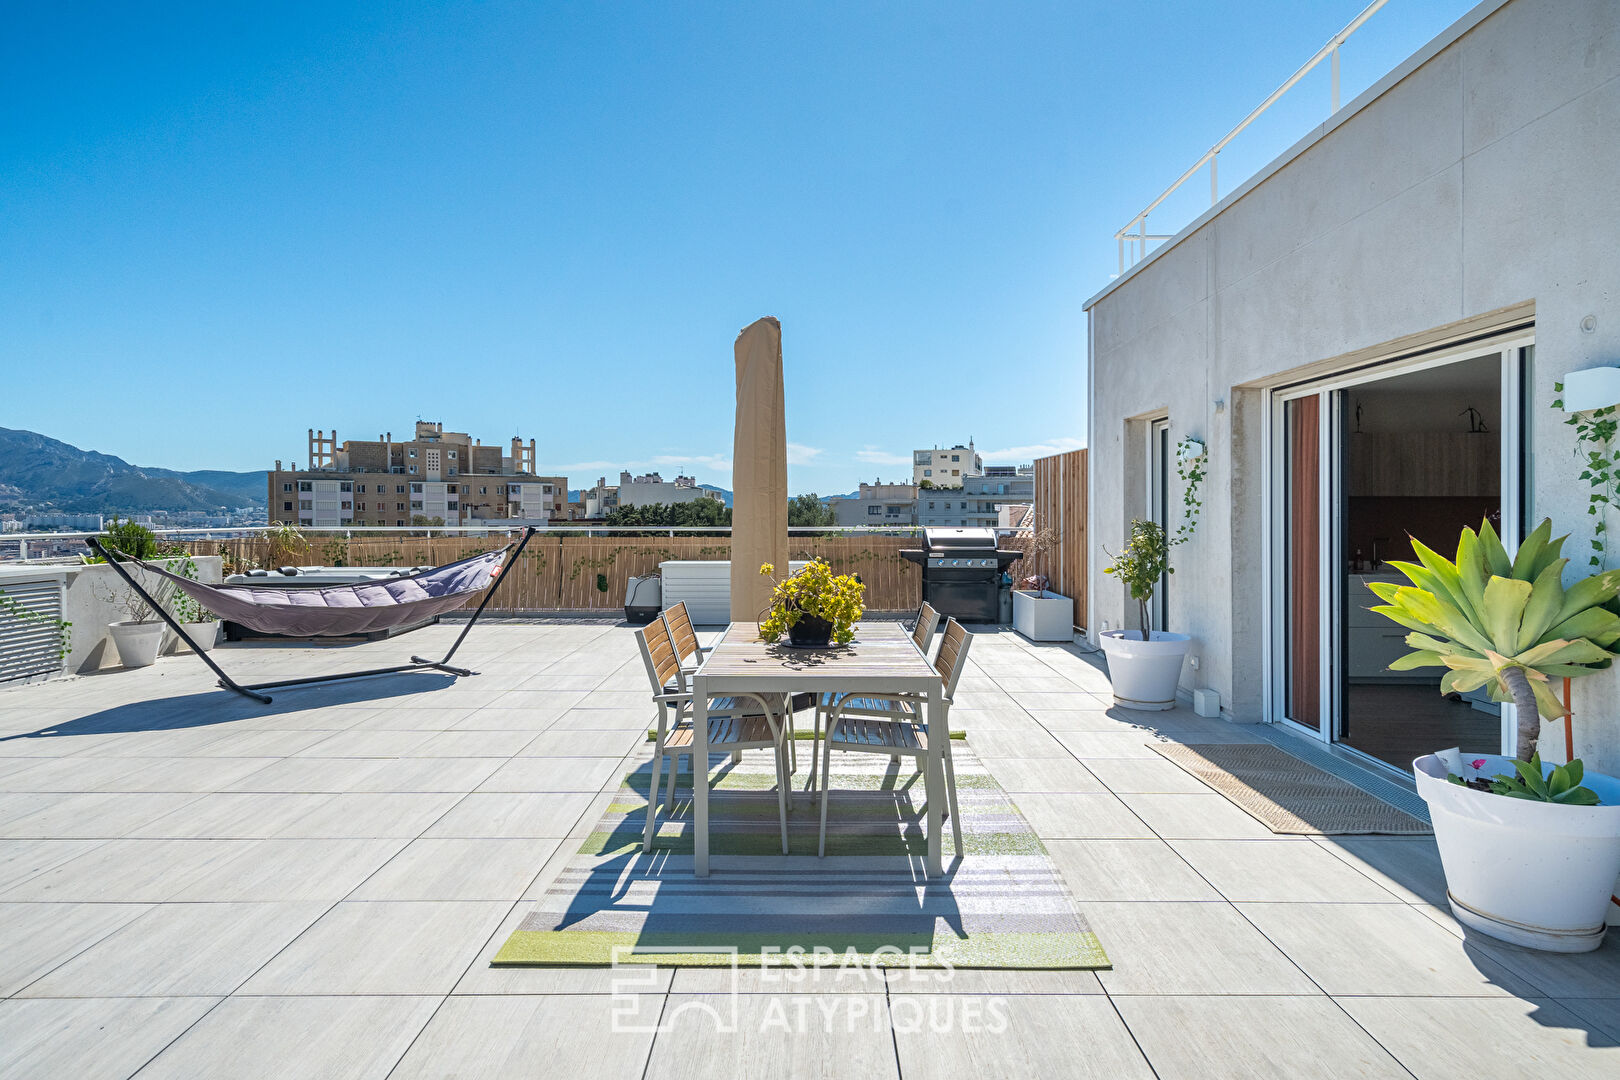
x=253 y=690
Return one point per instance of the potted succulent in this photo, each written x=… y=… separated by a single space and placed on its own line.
x=1144 y=665
x=813 y=607
x=1530 y=849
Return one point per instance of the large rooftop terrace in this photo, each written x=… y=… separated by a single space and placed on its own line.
x=195 y=885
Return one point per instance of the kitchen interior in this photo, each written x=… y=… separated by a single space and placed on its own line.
x=1422 y=458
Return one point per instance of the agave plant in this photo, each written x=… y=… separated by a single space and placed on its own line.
x=1504 y=622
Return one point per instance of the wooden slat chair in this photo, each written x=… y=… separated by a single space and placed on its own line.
x=927 y=623
x=687 y=649
x=691 y=655
x=738 y=723
x=901 y=730
x=923 y=635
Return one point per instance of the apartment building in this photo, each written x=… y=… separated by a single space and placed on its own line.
x=981 y=499
x=877 y=504
x=945 y=467
x=440 y=474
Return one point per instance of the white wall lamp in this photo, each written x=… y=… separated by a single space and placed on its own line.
x=1593 y=388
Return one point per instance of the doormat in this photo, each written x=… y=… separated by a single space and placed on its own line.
x=1288 y=795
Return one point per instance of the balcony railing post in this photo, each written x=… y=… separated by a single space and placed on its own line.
x=1335 y=66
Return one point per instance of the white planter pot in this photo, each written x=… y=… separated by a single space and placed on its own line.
x=138 y=642
x=204 y=634
x=1533 y=873
x=1145 y=673
x=1043 y=616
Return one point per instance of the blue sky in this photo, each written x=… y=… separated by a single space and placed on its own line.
x=223 y=224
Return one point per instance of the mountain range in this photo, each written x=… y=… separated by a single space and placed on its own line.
x=41 y=474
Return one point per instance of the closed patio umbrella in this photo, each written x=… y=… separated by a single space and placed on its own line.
x=759 y=470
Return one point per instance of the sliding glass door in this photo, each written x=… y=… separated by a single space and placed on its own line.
x=1361 y=465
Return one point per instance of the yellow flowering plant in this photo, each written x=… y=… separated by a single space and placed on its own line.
x=817 y=592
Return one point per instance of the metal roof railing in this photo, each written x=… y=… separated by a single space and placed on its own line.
x=1135 y=244
x=21 y=540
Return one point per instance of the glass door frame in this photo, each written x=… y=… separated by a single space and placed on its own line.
x=1160 y=453
x=1512 y=346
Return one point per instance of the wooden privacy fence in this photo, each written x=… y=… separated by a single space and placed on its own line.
x=1061 y=539
x=592 y=572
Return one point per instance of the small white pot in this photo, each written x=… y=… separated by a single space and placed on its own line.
x=1043 y=615
x=1145 y=673
x=1533 y=873
x=204 y=634
x=138 y=642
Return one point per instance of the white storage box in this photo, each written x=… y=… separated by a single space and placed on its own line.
x=1044 y=615
x=705 y=585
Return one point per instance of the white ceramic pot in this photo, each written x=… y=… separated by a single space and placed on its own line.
x=204 y=634
x=1533 y=873
x=1145 y=673
x=138 y=642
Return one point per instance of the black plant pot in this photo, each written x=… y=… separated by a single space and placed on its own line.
x=810 y=632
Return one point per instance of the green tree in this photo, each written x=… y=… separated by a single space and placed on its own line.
x=698 y=512
x=809 y=511
x=131 y=539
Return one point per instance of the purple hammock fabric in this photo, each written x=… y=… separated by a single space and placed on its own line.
x=345 y=609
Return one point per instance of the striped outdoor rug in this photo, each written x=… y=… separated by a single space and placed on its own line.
x=1003 y=905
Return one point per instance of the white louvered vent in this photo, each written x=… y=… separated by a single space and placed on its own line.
x=30 y=646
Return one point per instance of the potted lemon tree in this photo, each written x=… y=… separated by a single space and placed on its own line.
x=1530 y=849
x=1144 y=665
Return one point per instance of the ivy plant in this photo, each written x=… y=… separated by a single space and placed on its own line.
x=1190 y=468
x=1594 y=434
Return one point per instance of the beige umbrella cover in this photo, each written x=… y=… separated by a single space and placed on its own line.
x=759 y=470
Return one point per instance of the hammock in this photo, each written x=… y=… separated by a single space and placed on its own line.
x=336 y=611
x=344 y=610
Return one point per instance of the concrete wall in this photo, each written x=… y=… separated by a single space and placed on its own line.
x=1474 y=186
x=89 y=605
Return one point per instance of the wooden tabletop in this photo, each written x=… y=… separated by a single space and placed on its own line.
x=881 y=656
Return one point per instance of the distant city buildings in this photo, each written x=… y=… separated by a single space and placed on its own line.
x=648 y=489
x=983 y=500
x=51 y=523
x=945 y=468
x=877 y=504
x=990 y=497
x=438 y=474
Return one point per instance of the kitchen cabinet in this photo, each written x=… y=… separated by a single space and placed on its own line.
x=1373 y=641
x=1425 y=463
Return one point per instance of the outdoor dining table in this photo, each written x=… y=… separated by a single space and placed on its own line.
x=881 y=660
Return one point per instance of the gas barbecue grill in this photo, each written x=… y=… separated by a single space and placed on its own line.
x=962 y=572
